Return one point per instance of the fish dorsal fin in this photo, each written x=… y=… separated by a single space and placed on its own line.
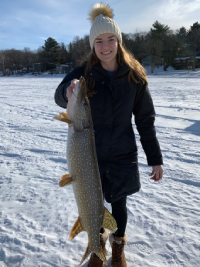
x=63 y=117
x=65 y=180
x=76 y=229
x=109 y=221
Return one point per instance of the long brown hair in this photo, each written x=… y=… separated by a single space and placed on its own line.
x=136 y=72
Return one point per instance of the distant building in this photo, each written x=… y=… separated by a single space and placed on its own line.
x=146 y=61
x=36 y=67
x=63 y=68
x=198 y=61
x=186 y=62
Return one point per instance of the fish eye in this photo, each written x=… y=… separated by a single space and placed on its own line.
x=85 y=104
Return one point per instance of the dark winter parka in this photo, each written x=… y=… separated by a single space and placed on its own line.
x=112 y=107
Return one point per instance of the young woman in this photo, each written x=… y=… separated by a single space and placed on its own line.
x=117 y=89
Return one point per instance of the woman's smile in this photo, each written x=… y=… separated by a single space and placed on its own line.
x=106 y=53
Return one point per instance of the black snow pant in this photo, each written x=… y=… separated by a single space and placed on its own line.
x=119 y=212
x=119 y=209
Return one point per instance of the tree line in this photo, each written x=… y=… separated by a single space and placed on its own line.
x=160 y=45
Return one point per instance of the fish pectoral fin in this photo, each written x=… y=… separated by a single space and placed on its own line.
x=64 y=115
x=64 y=176
x=76 y=229
x=63 y=118
x=109 y=221
x=65 y=180
x=102 y=256
x=87 y=253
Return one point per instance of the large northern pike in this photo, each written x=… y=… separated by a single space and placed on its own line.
x=84 y=172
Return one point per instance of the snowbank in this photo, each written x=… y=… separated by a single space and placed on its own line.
x=171 y=72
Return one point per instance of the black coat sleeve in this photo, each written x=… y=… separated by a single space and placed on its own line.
x=144 y=119
x=60 y=94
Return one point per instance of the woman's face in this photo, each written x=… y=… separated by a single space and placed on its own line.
x=105 y=46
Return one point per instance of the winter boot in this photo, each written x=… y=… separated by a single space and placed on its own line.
x=94 y=259
x=117 y=244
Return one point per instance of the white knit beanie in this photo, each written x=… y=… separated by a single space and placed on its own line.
x=102 y=22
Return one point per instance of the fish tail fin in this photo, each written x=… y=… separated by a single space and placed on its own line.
x=109 y=221
x=102 y=256
x=87 y=253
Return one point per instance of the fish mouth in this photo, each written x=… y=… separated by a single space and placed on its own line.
x=81 y=80
x=82 y=92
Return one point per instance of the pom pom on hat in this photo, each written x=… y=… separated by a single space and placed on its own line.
x=100 y=9
x=101 y=18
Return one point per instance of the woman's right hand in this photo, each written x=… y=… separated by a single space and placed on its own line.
x=70 y=88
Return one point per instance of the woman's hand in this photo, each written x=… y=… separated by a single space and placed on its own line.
x=70 y=88
x=157 y=173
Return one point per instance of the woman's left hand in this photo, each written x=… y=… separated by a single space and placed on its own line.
x=157 y=173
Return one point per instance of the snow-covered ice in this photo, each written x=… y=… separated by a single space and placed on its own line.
x=36 y=216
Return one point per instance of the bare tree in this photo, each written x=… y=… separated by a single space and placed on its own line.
x=2 y=61
x=28 y=58
x=79 y=49
x=63 y=53
x=154 y=50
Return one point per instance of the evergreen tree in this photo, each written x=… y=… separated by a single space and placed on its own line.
x=194 y=39
x=182 y=34
x=155 y=40
x=195 y=26
x=182 y=42
x=50 y=53
x=159 y=31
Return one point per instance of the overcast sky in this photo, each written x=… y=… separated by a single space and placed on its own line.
x=27 y=23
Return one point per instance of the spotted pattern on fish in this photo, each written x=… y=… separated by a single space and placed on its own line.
x=87 y=187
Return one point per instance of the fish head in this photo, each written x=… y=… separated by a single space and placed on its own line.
x=78 y=109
